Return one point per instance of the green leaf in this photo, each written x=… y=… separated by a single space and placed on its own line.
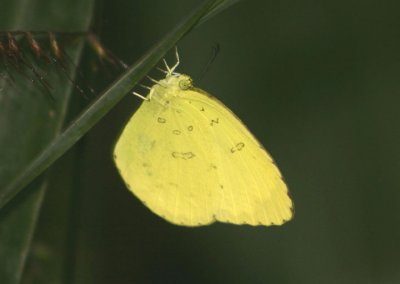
x=30 y=117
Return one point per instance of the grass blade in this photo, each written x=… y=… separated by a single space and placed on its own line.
x=106 y=101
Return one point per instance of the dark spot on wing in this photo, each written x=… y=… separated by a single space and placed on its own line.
x=202 y=109
x=176 y=132
x=183 y=155
x=149 y=172
x=161 y=120
x=214 y=121
x=214 y=167
x=190 y=128
x=238 y=147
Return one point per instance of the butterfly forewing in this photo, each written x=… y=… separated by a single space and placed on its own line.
x=162 y=156
x=192 y=161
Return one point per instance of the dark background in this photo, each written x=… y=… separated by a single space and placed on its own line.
x=318 y=84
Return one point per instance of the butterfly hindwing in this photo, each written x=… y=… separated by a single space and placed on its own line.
x=251 y=188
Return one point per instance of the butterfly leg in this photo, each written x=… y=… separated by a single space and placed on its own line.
x=145 y=87
x=171 y=70
x=162 y=70
x=177 y=60
x=152 y=79
x=140 y=96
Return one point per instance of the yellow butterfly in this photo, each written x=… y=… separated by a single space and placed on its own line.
x=190 y=160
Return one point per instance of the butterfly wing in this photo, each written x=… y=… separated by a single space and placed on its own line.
x=163 y=155
x=193 y=162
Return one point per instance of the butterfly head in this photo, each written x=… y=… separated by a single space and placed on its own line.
x=178 y=81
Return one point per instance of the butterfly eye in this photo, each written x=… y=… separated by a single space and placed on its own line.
x=185 y=84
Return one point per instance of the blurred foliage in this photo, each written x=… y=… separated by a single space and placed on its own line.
x=31 y=114
x=317 y=82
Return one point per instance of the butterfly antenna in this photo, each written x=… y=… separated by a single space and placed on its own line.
x=214 y=54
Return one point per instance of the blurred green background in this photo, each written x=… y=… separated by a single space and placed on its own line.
x=317 y=83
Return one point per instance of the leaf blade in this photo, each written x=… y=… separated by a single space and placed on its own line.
x=106 y=101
